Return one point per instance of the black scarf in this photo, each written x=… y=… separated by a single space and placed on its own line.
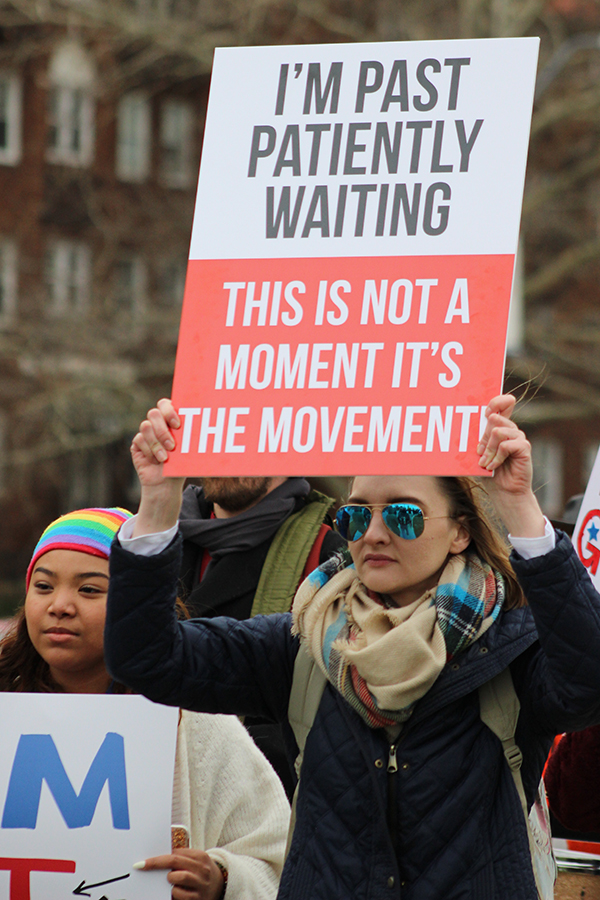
x=243 y=531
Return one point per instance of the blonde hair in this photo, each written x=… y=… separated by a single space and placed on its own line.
x=467 y=499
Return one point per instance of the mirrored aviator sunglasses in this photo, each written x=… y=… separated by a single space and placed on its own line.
x=406 y=520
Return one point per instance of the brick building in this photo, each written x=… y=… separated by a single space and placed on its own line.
x=97 y=178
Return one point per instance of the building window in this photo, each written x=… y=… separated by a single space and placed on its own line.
x=172 y=282
x=547 y=455
x=10 y=118
x=130 y=285
x=68 y=277
x=133 y=137
x=70 y=106
x=8 y=282
x=176 y=132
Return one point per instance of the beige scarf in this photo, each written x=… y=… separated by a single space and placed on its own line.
x=383 y=659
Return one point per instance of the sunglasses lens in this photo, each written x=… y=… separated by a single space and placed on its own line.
x=353 y=521
x=404 y=519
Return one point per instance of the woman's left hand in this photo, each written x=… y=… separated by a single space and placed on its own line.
x=505 y=451
x=194 y=875
x=503 y=447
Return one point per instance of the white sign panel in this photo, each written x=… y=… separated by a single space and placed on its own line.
x=85 y=792
x=343 y=133
x=586 y=536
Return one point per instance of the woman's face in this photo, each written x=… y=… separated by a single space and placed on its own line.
x=65 y=608
x=388 y=564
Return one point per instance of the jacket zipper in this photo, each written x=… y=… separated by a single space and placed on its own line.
x=392 y=804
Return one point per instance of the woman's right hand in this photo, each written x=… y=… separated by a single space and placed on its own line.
x=194 y=875
x=151 y=446
x=161 y=496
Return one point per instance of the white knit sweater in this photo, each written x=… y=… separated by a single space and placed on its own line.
x=232 y=802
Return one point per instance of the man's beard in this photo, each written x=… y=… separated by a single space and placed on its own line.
x=234 y=495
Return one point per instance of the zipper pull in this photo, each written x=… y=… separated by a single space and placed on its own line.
x=392 y=765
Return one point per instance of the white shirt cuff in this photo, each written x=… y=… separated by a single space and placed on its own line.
x=145 y=544
x=526 y=547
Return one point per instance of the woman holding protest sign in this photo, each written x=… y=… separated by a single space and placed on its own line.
x=405 y=790
x=225 y=794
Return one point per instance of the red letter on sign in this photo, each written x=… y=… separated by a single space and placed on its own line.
x=20 y=868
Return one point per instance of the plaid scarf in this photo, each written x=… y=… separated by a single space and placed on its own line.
x=383 y=658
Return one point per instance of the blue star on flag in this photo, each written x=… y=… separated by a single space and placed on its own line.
x=593 y=532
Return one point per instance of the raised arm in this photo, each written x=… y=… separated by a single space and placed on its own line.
x=561 y=681
x=208 y=665
x=211 y=665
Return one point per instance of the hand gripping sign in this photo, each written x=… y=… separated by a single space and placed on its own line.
x=352 y=257
x=85 y=791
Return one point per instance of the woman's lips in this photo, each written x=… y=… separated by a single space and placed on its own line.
x=59 y=635
x=378 y=561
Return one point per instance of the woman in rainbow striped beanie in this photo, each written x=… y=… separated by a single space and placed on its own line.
x=224 y=791
x=56 y=642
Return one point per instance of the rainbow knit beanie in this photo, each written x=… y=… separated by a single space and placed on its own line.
x=87 y=530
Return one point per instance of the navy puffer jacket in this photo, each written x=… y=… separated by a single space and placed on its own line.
x=447 y=825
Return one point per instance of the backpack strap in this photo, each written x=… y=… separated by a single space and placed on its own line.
x=314 y=556
x=499 y=710
x=287 y=556
x=308 y=684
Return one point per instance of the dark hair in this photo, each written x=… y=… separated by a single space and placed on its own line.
x=467 y=499
x=21 y=666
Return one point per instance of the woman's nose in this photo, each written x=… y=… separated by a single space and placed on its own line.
x=377 y=532
x=62 y=603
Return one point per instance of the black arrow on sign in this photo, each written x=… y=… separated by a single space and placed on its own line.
x=79 y=889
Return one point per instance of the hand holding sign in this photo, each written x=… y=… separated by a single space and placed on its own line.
x=149 y=450
x=506 y=452
x=151 y=444
x=194 y=874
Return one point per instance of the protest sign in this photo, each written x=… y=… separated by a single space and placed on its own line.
x=352 y=255
x=586 y=535
x=86 y=784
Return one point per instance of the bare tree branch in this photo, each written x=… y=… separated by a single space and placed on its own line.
x=565 y=264
x=560 y=183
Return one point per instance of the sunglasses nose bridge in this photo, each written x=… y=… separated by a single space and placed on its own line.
x=377 y=530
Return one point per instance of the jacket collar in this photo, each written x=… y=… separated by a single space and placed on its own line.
x=504 y=641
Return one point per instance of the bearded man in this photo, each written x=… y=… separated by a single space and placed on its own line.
x=248 y=543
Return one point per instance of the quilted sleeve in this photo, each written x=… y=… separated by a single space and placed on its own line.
x=562 y=684
x=208 y=665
